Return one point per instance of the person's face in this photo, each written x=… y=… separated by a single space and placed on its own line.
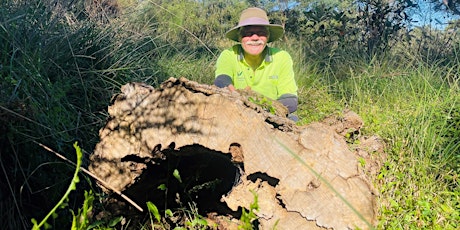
x=254 y=39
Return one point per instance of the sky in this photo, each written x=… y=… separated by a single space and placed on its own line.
x=426 y=15
x=423 y=15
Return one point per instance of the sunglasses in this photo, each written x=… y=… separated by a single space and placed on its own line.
x=260 y=33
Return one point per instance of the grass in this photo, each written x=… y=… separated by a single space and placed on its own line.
x=411 y=111
x=58 y=71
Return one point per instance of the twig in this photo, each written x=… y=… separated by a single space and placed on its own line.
x=24 y=117
x=103 y=183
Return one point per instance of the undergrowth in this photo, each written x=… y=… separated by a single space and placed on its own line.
x=62 y=203
x=414 y=110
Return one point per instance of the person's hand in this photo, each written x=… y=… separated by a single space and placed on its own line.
x=231 y=88
x=247 y=88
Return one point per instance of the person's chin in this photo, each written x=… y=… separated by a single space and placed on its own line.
x=255 y=50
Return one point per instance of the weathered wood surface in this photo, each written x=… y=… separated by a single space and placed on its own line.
x=300 y=174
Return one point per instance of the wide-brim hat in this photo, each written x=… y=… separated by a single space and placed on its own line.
x=255 y=17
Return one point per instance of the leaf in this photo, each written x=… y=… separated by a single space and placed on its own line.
x=176 y=175
x=74 y=222
x=65 y=204
x=95 y=224
x=154 y=210
x=162 y=187
x=35 y=223
x=201 y=221
x=168 y=212
x=115 y=221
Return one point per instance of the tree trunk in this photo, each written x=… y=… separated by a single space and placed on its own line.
x=188 y=142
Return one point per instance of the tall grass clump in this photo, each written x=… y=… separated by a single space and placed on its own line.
x=316 y=99
x=412 y=108
x=189 y=35
x=58 y=71
x=60 y=63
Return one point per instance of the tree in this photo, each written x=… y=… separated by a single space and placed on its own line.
x=371 y=24
x=452 y=6
x=381 y=21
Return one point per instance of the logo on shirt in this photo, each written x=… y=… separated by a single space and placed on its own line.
x=240 y=73
x=273 y=77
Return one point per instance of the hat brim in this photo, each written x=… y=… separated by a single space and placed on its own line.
x=276 y=32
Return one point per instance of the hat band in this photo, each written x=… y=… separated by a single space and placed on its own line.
x=253 y=21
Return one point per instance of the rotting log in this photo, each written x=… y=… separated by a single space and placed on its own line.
x=226 y=149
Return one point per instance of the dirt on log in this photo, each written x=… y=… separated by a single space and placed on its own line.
x=189 y=142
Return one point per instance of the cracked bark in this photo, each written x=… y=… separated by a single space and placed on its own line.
x=225 y=147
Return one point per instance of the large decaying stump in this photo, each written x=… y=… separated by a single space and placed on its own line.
x=226 y=150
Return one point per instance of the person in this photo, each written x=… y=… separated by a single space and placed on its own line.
x=252 y=64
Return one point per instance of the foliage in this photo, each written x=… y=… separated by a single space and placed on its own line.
x=248 y=217
x=199 y=20
x=372 y=24
x=338 y=34
x=381 y=21
x=264 y=102
x=415 y=183
x=195 y=220
x=63 y=202
x=452 y=6
x=192 y=219
x=82 y=220
x=430 y=45
x=154 y=211
x=57 y=76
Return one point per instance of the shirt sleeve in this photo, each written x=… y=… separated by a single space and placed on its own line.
x=290 y=101
x=225 y=64
x=222 y=81
x=286 y=83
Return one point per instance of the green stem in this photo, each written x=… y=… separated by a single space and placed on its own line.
x=71 y=187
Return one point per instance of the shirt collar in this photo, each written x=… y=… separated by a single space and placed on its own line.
x=268 y=55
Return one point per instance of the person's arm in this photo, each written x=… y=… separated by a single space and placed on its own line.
x=290 y=101
x=287 y=87
x=225 y=69
x=223 y=81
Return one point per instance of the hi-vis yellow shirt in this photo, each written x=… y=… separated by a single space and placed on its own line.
x=273 y=78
